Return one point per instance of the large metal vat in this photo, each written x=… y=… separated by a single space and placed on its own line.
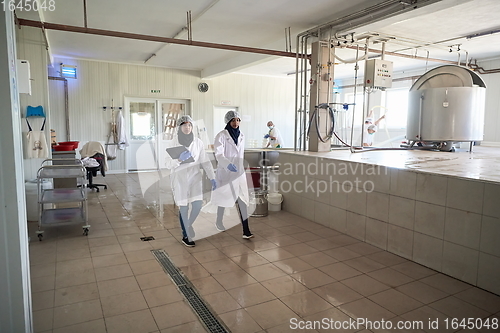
x=446 y=105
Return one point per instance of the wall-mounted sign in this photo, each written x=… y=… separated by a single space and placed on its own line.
x=225 y=102
x=153 y=91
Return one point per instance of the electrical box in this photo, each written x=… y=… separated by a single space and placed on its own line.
x=378 y=73
x=23 y=77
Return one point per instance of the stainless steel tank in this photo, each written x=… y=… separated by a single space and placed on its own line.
x=446 y=105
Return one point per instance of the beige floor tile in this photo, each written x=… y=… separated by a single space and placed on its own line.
x=43 y=283
x=340 y=271
x=251 y=295
x=235 y=250
x=43 y=270
x=293 y=265
x=480 y=298
x=172 y=315
x=42 y=300
x=134 y=322
x=390 y=277
x=337 y=293
x=221 y=302
x=195 y=271
x=162 y=295
x=265 y=272
x=77 y=313
x=387 y=258
x=365 y=285
x=364 y=264
x=192 y=327
x=94 y=326
x=76 y=294
x=270 y=314
x=103 y=241
x=335 y=315
x=153 y=280
x=109 y=260
x=75 y=278
x=395 y=301
x=365 y=308
x=113 y=272
x=313 y=278
x=433 y=320
x=183 y=260
x=138 y=256
x=147 y=266
x=220 y=266
x=117 y=286
x=342 y=253
x=318 y=259
x=299 y=249
x=275 y=254
x=249 y=260
x=306 y=303
x=207 y=285
x=284 y=286
x=209 y=256
x=105 y=250
x=136 y=246
x=43 y=320
x=456 y=308
x=240 y=321
x=234 y=279
x=123 y=303
x=413 y=270
x=422 y=292
x=446 y=283
x=72 y=254
x=284 y=240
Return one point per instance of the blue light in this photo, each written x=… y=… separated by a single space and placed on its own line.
x=68 y=71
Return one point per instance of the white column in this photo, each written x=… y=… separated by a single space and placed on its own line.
x=15 y=291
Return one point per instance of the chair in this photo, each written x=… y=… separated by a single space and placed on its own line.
x=96 y=151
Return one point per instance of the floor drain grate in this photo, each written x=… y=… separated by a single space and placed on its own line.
x=200 y=308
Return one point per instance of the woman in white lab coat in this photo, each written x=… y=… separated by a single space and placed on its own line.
x=229 y=146
x=186 y=176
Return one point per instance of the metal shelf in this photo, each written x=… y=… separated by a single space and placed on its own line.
x=63 y=195
x=62 y=216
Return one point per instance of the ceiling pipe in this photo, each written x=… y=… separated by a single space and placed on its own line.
x=184 y=28
x=110 y=33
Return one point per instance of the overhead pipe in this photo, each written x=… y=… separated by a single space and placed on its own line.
x=474 y=66
x=110 y=33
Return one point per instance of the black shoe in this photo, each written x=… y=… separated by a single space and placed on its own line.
x=248 y=235
x=187 y=242
x=220 y=226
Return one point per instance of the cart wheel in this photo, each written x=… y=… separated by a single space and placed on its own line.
x=86 y=231
x=40 y=236
x=97 y=189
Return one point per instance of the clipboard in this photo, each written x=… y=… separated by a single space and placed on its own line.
x=175 y=153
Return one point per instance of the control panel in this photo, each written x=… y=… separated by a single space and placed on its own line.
x=378 y=73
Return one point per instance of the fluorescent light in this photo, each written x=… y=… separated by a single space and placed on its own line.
x=68 y=71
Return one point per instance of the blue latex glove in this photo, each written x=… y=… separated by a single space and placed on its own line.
x=266 y=136
x=214 y=184
x=185 y=155
x=231 y=167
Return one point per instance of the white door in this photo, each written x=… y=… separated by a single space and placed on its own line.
x=219 y=113
x=151 y=125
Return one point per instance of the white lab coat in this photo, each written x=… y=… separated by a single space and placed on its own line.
x=279 y=139
x=230 y=185
x=121 y=131
x=186 y=179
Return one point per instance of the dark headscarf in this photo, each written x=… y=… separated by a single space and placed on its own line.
x=234 y=132
x=184 y=139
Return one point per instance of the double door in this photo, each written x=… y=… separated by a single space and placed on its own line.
x=152 y=123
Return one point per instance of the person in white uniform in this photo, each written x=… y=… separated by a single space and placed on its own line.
x=186 y=176
x=370 y=128
x=274 y=136
x=229 y=146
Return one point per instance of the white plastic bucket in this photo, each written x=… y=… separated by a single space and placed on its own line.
x=274 y=201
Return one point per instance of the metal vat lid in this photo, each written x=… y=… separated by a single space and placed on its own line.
x=448 y=76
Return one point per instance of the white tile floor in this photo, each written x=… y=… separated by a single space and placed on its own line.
x=294 y=269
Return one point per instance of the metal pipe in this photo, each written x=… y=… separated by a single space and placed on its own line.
x=295 y=138
x=110 y=33
x=85 y=13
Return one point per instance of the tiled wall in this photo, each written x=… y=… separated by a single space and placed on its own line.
x=449 y=224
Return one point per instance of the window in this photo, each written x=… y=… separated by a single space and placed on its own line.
x=396 y=102
x=349 y=99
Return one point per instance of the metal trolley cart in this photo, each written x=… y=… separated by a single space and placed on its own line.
x=75 y=197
